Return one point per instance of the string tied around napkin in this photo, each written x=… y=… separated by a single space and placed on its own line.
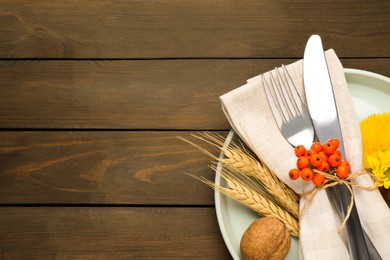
x=333 y=180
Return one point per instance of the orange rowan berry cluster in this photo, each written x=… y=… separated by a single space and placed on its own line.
x=325 y=158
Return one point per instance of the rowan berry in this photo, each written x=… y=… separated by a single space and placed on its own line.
x=334 y=160
x=335 y=141
x=303 y=162
x=345 y=163
x=324 y=156
x=338 y=153
x=316 y=160
x=316 y=146
x=324 y=167
x=310 y=152
x=318 y=179
x=307 y=174
x=329 y=148
x=342 y=171
x=294 y=174
x=300 y=150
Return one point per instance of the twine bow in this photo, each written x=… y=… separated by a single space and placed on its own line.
x=333 y=180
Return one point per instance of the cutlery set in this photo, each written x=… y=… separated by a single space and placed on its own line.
x=301 y=125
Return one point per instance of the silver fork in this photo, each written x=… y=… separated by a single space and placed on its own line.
x=289 y=111
x=294 y=122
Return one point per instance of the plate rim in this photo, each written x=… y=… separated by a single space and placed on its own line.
x=367 y=74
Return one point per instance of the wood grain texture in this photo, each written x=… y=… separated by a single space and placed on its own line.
x=94 y=93
x=110 y=233
x=177 y=29
x=137 y=168
x=136 y=94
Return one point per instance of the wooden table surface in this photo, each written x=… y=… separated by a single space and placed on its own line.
x=94 y=93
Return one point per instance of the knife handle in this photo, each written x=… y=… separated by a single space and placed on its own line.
x=356 y=236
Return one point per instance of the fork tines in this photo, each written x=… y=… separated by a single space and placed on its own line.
x=282 y=97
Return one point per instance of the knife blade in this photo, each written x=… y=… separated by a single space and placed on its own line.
x=319 y=94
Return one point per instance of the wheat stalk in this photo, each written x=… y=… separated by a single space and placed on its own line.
x=253 y=200
x=262 y=205
x=244 y=158
x=245 y=164
x=239 y=158
x=250 y=181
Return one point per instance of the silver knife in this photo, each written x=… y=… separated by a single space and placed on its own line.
x=319 y=95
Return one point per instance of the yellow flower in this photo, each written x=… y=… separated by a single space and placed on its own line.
x=380 y=166
x=375 y=131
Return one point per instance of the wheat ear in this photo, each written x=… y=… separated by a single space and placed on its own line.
x=246 y=164
x=262 y=205
x=253 y=200
x=242 y=158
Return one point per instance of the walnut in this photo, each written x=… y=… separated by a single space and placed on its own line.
x=266 y=238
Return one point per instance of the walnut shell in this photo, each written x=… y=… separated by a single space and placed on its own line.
x=266 y=238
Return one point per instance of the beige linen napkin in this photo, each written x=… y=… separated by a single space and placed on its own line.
x=248 y=112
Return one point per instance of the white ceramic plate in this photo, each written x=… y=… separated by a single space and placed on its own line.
x=370 y=94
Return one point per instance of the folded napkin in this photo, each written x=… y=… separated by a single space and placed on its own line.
x=247 y=110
